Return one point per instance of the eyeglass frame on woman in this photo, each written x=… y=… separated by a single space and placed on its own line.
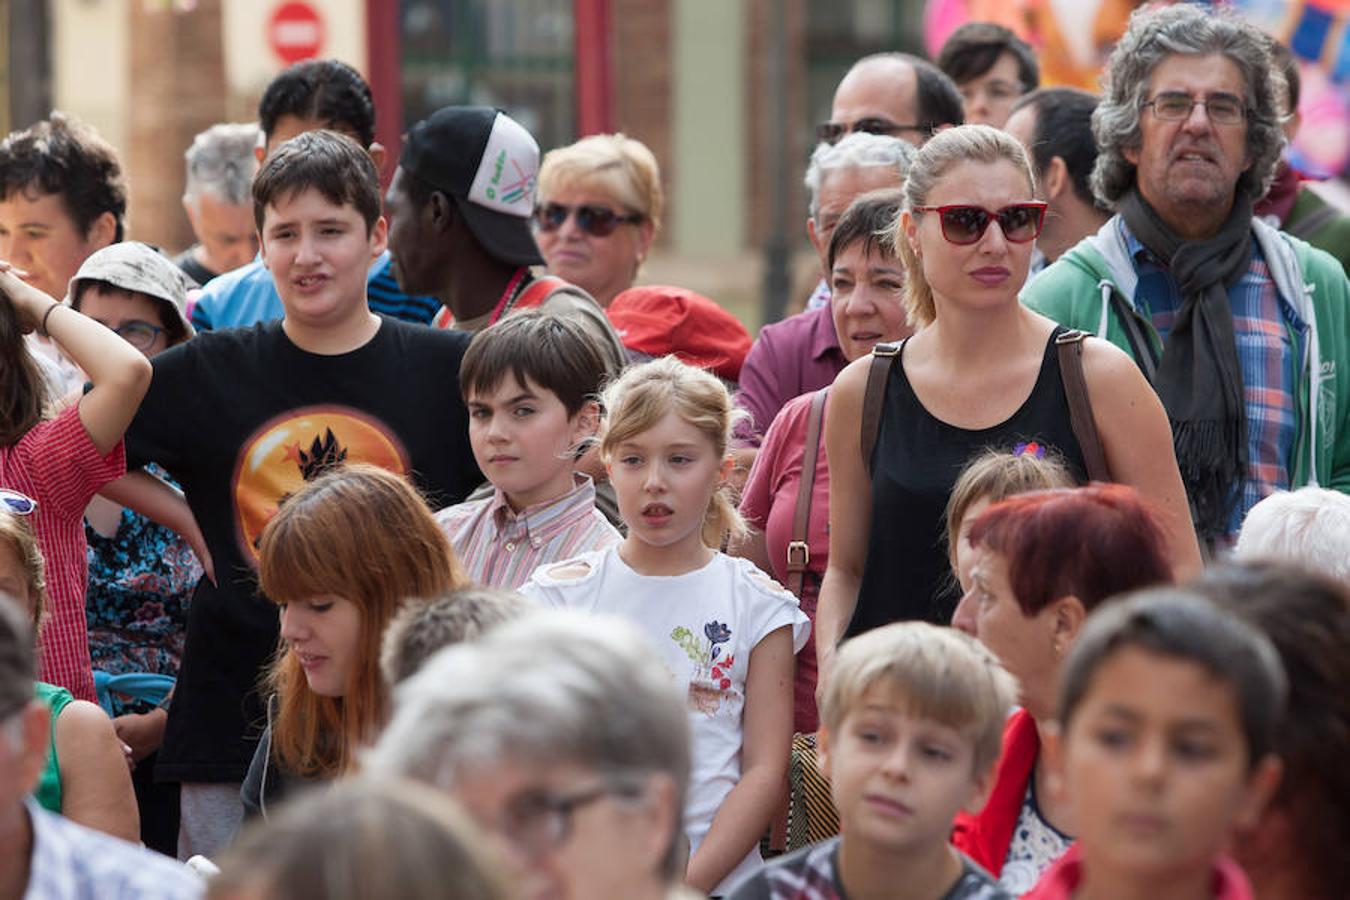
x=834 y=132
x=1192 y=102
x=543 y=821
x=9 y=497
x=991 y=216
x=595 y=219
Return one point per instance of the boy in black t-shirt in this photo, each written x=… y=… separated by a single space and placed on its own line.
x=911 y=724
x=243 y=417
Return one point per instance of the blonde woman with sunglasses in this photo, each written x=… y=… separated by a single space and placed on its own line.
x=597 y=212
x=981 y=372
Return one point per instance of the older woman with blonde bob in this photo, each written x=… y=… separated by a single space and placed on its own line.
x=340 y=558
x=981 y=371
x=599 y=205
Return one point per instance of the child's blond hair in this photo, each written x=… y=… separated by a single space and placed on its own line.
x=997 y=475
x=946 y=676
x=643 y=395
x=15 y=532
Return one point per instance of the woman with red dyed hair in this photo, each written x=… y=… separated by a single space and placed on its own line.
x=1042 y=562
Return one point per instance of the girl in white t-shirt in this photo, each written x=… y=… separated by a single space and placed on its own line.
x=727 y=634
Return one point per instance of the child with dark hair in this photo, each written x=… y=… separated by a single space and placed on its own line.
x=244 y=418
x=1164 y=746
x=531 y=384
x=309 y=96
x=1298 y=849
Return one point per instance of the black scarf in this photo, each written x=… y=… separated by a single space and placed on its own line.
x=1199 y=377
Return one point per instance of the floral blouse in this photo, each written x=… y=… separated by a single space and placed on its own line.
x=140 y=582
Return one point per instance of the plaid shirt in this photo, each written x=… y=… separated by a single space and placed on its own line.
x=57 y=465
x=501 y=548
x=71 y=862
x=1267 y=330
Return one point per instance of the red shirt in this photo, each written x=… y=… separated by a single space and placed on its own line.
x=1062 y=879
x=58 y=465
x=986 y=836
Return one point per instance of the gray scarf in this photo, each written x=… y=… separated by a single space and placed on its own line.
x=1199 y=377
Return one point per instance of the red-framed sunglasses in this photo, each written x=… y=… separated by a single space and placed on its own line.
x=595 y=220
x=966 y=224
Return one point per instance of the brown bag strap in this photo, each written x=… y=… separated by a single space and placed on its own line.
x=798 y=550
x=1070 y=346
x=883 y=356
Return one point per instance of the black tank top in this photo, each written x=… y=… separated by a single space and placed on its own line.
x=915 y=464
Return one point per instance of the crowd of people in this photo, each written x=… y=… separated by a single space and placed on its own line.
x=402 y=544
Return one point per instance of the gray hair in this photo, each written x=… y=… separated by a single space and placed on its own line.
x=554 y=687
x=221 y=162
x=18 y=661
x=858 y=150
x=1309 y=527
x=1157 y=33
x=423 y=627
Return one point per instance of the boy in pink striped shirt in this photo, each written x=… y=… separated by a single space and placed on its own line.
x=530 y=383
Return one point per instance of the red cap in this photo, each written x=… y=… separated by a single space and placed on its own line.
x=660 y=319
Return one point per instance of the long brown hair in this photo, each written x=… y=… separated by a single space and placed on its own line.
x=364 y=534
x=23 y=391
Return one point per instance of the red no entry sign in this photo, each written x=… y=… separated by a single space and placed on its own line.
x=295 y=31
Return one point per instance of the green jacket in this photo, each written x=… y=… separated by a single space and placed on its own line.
x=1076 y=291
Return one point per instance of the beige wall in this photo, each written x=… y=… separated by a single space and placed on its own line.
x=90 y=69
x=710 y=126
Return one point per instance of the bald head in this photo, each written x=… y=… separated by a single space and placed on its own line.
x=895 y=94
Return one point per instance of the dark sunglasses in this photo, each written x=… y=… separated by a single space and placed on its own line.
x=965 y=224
x=833 y=132
x=19 y=504
x=597 y=221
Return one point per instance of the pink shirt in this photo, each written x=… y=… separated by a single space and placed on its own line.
x=769 y=504
x=58 y=465
x=501 y=548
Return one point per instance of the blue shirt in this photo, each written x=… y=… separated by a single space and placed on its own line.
x=71 y=862
x=248 y=295
x=1266 y=328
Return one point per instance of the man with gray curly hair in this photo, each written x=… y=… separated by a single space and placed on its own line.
x=219 y=206
x=1244 y=331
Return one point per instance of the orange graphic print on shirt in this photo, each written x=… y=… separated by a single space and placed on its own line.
x=297 y=447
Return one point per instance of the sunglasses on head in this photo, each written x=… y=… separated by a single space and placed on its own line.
x=834 y=132
x=16 y=503
x=965 y=224
x=595 y=220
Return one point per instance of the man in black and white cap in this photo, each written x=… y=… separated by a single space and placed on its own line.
x=460 y=206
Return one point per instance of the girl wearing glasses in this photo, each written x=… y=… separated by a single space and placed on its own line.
x=981 y=372
x=62 y=457
x=339 y=559
x=599 y=207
